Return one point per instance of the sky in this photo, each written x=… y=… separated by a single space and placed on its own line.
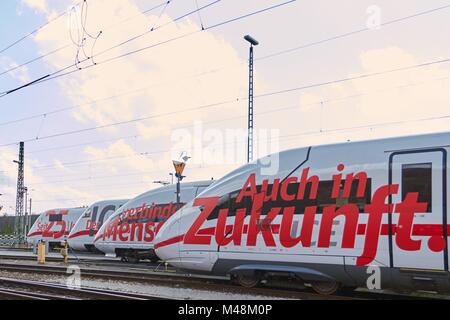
x=144 y=81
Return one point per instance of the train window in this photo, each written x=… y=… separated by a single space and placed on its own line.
x=361 y=201
x=322 y=200
x=87 y=214
x=223 y=203
x=55 y=217
x=417 y=178
x=324 y=195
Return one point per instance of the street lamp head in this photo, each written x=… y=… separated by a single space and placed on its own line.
x=252 y=40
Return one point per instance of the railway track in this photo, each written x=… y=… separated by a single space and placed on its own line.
x=59 y=259
x=37 y=290
x=9 y=294
x=221 y=284
x=178 y=280
x=85 y=261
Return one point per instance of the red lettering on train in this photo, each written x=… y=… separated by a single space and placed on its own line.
x=263 y=226
x=133 y=223
x=207 y=205
x=351 y=214
x=406 y=210
x=260 y=225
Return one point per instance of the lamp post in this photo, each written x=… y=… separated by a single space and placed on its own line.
x=179 y=168
x=29 y=217
x=25 y=224
x=253 y=42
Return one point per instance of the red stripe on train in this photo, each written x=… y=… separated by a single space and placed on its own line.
x=168 y=242
x=81 y=233
x=418 y=230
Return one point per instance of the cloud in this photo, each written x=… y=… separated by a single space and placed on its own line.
x=126 y=157
x=167 y=70
x=149 y=131
x=39 y=187
x=397 y=97
x=20 y=73
x=160 y=80
x=37 y=5
x=164 y=79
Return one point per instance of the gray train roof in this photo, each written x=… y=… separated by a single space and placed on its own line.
x=102 y=202
x=64 y=208
x=203 y=183
x=290 y=158
x=171 y=187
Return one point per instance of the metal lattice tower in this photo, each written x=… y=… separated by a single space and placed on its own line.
x=250 y=108
x=18 y=225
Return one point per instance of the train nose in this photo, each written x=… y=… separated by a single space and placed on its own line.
x=167 y=240
x=101 y=245
x=74 y=242
x=169 y=254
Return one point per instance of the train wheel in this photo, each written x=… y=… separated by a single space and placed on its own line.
x=248 y=281
x=347 y=290
x=132 y=259
x=124 y=259
x=325 y=288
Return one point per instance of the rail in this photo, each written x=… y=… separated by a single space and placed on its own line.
x=39 y=290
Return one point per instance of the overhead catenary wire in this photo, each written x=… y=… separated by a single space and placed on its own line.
x=199 y=15
x=69 y=44
x=229 y=101
x=59 y=73
x=97 y=187
x=18 y=66
x=259 y=113
x=82 y=35
x=99 y=177
x=92 y=102
x=321 y=102
x=29 y=34
x=257 y=58
x=26 y=85
x=311 y=44
x=288 y=136
x=80 y=144
x=354 y=32
x=396 y=122
x=357 y=77
x=62 y=72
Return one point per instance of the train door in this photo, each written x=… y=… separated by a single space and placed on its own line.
x=424 y=172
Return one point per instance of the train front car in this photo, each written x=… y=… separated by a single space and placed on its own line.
x=359 y=214
x=82 y=236
x=53 y=226
x=129 y=232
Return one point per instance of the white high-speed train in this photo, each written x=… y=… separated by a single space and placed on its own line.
x=81 y=238
x=130 y=230
x=333 y=216
x=53 y=226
